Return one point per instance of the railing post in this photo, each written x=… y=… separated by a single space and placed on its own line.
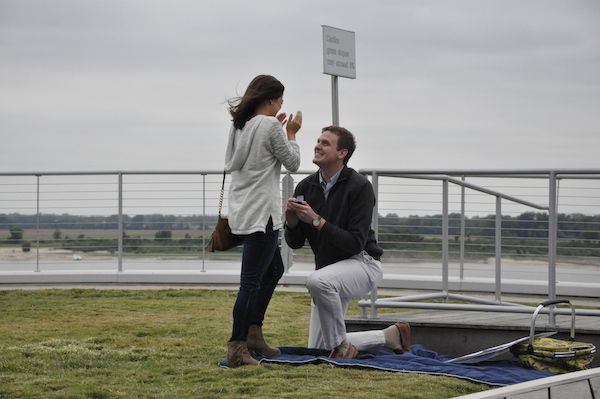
x=203 y=221
x=552 y=242
x=462 y=231
x=120 y=224
x=287 y=186
x=498 y=274
x=375 y=227
x=37 y=221
x=445 y=257
x=375 y=220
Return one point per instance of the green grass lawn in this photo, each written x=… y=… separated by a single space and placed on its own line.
x=88 y=343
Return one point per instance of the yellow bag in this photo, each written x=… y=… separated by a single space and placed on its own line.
x=554 y=355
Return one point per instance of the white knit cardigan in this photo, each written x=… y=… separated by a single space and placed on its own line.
x=254 y=157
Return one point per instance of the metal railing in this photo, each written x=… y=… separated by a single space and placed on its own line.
x=113 y=196
x=551 y=178
x=450 y=218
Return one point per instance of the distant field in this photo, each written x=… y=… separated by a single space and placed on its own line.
x=47 y=234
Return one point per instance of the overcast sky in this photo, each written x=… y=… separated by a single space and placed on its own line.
x=140 y=85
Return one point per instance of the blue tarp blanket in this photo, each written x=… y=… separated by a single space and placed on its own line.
x=418 y=360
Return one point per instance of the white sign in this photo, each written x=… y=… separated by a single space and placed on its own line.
x=339 y=52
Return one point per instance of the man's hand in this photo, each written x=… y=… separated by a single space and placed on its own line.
x=298 y=210
x=290 y=213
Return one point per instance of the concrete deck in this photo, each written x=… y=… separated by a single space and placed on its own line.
x=578 y=385
x=457 y=333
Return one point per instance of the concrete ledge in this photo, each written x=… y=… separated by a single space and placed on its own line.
x=179 y=277
x=125 y=277
x=56 y=277
x=580 y=384
x=509 y=286
x=231 y=276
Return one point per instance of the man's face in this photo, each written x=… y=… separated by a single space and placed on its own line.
x=326 y=152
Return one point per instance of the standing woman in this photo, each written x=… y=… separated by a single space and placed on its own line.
x=260 y=142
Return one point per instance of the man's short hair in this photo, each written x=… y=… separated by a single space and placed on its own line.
x=345 y=140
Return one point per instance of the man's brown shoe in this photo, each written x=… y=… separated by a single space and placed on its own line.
x=404 y=329
x=351 y=353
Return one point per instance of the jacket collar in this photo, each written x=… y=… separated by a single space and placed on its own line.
x=315 y=179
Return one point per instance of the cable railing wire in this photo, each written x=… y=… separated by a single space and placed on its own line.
x=401 y=194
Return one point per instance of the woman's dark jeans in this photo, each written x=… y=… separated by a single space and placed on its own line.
x=262 y=268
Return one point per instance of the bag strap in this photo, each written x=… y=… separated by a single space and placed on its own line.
x=222 y=193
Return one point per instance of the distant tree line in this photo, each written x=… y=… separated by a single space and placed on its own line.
x=525 y=234
x=138 y=222
x=525 y=225
x=163 y=242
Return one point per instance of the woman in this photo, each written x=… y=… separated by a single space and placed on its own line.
x=258 y=146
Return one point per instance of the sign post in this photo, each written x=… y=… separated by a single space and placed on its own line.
x=339 y=59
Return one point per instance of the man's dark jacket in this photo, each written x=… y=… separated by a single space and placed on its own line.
x=348 y=212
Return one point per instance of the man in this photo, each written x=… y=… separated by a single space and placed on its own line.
x=333 y=209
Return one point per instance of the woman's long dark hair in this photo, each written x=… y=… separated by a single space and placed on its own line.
x=262 y=88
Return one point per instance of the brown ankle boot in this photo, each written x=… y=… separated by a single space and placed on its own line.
x=238 y=355
x=256 y=342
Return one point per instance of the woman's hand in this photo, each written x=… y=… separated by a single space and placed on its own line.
x=294 y=124
x=281 y=118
